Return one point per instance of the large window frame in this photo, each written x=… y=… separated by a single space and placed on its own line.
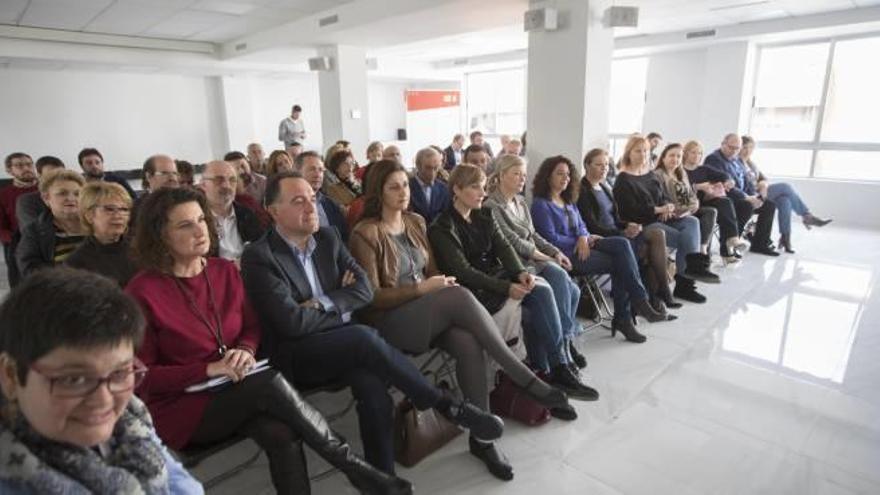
x=816 y=145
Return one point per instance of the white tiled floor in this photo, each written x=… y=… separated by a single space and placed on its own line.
x=771 y=387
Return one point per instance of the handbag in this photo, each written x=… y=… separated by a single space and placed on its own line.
x=417 y=434
x=509 y=401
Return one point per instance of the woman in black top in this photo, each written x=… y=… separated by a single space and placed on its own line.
x=640 y=199
x=104 y=209
x=597 y=207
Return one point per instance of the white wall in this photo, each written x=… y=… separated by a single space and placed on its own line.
x=387 y=109
x=126 y=116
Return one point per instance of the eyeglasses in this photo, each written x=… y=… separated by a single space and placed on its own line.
x=220 y=180
x=112 y=210
x=75 y=386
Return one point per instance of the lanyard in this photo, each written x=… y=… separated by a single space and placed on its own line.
x=216 y=331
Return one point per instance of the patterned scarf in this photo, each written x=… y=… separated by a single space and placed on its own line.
x=134 y=465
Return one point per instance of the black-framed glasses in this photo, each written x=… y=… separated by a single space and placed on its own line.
x=79 y=385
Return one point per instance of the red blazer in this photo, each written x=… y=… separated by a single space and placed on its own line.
x=178 y=346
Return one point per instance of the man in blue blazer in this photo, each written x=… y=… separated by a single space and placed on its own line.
x=310 y=165
x=428 y=196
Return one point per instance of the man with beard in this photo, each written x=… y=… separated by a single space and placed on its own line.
x=24 y=180
x=92 y=163
x=236 y=224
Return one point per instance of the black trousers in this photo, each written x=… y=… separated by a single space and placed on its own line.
x=744 y=212
x=357 y=356
x=12 y=273
x=727 y=217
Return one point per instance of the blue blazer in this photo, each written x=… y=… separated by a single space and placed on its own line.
x=334 y=216
x=418 y=203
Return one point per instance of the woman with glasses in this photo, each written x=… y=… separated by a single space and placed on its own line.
x=69 y=422
x=56 y=233
x=104 y=210
x=557 y=219
x=201 y=326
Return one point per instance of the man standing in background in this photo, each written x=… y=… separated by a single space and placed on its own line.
x=292 y=130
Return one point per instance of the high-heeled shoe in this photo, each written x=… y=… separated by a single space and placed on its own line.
x=628 y=330
x=644 y=309
x=811 y=221
x=785 y=243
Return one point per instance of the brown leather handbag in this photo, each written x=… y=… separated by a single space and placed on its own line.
x=417 y=434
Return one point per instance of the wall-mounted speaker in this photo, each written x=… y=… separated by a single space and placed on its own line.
x=622 y=16
x=545 y=19
x=320 y=63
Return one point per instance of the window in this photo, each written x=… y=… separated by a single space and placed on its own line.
x=496 y=102
x=815 y=108
x=627 y=96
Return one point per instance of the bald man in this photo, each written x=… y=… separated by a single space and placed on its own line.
x=236 y=224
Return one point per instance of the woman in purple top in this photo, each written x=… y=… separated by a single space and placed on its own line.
x=556 y=218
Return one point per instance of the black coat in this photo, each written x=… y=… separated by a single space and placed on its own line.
x=590 y=210
x=37 y=246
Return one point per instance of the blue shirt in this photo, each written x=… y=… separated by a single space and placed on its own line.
x=305 y=260
x=733 y=167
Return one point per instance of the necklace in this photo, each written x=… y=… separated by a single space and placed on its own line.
x=216 y=329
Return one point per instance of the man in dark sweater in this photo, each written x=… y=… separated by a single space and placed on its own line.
x=24 y=180
x=745 y=198
x=92 y=163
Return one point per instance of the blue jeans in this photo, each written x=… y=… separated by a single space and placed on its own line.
x=614 y=256
x=787 y=200
x=683 y=235
x=543 y=328
x=567 y=295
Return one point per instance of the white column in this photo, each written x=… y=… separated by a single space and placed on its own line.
x=343 y=90
x=569 y=75
x=726 y=98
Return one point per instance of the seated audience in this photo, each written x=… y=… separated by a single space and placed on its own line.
x=654 y=140
x=70 y=423
x=640 y=199
x=30 y=205
x=57 y=232
x=512 y=215
x=311 y=167
x=599 y=211
x=236 y=224
x=256 y=158
x=470 y=246
x=391 y=244
x=200 y=325
x=187 y=173
x=249 y=182
x=442 y=174
x=159 y=171
x=554 y=190
x=477 y=139
x=678 y=189
x=24 y=180
x=92 y=163
x=304 y=285
x=279 y=161
x=744 y=194
x=782 y=194
x=340 y=183
x=454 y=152
x=513 y=147
x=104 y=211
x=392 y=152
x=293 y=151
x=477 y=155
x=709 y=186
x=428 y=196
x=374 y=154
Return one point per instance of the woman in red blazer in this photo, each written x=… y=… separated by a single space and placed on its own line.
x=200 y=326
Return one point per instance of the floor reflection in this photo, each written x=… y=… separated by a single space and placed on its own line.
x=803 y=320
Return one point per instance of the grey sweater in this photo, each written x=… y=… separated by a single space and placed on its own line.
x=518 y=230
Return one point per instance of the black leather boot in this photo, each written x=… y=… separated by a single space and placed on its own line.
x=686 y=289
x=697 y=267
x=316 y=433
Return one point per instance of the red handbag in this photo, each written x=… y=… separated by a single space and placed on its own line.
x=509 y=401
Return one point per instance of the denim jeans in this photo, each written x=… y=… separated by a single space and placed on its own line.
x=614 y=256
x=567 y=295
x=684 y=236
x=543 y=328
x=787 y=200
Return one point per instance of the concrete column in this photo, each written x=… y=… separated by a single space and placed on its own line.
x=343 y=90
x=569 y=75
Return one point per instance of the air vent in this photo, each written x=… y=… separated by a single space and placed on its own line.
x=701 y=34
x=241 y=46
x=460 y=61
x=326 y=21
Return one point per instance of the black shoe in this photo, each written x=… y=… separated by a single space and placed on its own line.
x=554 y=399
x=561 y=377
x=644 y=309
x=577 y=358
x=811 y=220
x=666 y=298
x=380 y=483
x=697 y=267
x=566 y=413
x=483 y=425
x=765 y=249
x=785 y=243
x=686 y=289
x=628 y=330
x=493 y=458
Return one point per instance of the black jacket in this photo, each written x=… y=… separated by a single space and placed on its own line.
x=37 y=246
x=588 y=205
x=110 y=260
x=276 y=284
x=637 y=195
